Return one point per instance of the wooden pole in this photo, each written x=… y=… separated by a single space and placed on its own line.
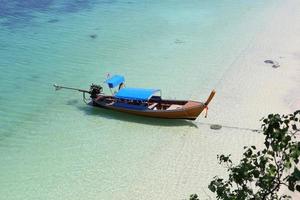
x=211 y=96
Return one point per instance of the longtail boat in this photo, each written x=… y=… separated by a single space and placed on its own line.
x=140 y=101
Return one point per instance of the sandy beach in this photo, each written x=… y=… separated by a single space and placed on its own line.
x=249 y=90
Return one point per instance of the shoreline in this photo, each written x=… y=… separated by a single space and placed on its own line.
x=249 y=90
x=257 y=89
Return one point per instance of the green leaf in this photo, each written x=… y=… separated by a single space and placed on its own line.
x=194 y=197
x=298 y=188
x=212 y=187
x=256 y=173
x=267 y=144
x=294 y=127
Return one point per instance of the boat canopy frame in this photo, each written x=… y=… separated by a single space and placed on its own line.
x=137 y=94
x=115 y=81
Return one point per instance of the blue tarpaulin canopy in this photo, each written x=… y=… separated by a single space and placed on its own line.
x=115 y=81
x=136 y=93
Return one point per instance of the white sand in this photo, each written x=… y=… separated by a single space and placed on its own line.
x=249 y=90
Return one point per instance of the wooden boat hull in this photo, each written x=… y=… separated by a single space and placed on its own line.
x=190 y=111
x=142 y=102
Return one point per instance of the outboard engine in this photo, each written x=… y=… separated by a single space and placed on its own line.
x=95 y=90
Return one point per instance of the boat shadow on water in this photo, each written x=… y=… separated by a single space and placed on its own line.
x=113 y=115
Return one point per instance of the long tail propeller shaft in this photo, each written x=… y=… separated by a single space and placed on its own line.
x=59 y=87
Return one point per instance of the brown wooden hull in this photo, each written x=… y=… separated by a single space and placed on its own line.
x=191 y=110
x=144 y=103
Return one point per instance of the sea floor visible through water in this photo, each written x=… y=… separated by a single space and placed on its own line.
x=52 y=145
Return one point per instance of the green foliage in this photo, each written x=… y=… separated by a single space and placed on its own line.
x=194 y=197
x=260 y=174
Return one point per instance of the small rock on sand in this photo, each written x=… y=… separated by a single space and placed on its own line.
x=216 y=126
x=274 y=64
x=53 y=21
x=93 y=36
x=269 y=61
x=178 y=41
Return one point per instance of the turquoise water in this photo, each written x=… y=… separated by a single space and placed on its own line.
x=53 y=146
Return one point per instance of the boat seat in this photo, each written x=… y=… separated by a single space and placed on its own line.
x=174 y=107
x=152 y=106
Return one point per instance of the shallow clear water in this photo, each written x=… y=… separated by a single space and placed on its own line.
x=53 y=146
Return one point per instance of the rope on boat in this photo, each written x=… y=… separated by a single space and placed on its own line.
x=234 y=61
x=219 y=126
x=85 y=100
